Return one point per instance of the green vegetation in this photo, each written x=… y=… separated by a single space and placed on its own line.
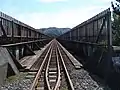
x=54 y=31
x=64 y=88
x=116 y=22
x=116 y=29
x=16 y=77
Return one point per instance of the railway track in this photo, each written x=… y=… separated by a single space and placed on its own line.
x=52 y=70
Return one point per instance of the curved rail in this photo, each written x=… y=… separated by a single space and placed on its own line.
x=52 y=63
x=58 y=68
x=68 y=77
x=46 y=72
x=40 y=69
x=56 y=87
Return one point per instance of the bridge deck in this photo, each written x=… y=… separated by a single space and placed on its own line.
x=28 y=61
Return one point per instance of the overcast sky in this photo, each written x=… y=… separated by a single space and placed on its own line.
x=53 y=13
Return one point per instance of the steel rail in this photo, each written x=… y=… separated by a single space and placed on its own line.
x=58 y=70
x=53 y=51
x=56 y=87
x=66 y=72
x=46 y=72
x=40 y=69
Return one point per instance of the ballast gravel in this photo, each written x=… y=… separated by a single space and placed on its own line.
x=82 y=79
x=17 y=82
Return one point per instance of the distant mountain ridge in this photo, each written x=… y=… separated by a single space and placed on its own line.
x=53 y=31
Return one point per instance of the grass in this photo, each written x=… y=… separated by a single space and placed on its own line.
x=20 y=76
x=64 y=88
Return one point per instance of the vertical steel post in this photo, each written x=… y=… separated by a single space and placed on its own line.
x=78 y=34
x=14 y=51
x=20 y=52
x=12 y=31
x=109 y=46
x=93 y=37
x=70 y=36
x=86 y=33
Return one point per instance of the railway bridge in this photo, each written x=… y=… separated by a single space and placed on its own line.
x=91 y=58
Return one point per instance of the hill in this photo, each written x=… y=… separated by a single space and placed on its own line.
x=54 y=31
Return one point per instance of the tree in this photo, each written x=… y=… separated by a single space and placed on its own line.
x=118 y=1
x=116 y=29
x=116 y=7
x=116 y=23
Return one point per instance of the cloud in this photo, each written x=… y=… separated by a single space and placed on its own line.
x=66 y=18
x=49 y=1
x=102 y=1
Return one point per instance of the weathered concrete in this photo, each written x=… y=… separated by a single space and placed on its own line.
x=6 y=59
x=3 y=72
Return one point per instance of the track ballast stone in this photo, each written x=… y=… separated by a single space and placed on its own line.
x=17 y=82
x=81 y=79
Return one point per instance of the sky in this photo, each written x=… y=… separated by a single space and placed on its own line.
x=53 y=13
